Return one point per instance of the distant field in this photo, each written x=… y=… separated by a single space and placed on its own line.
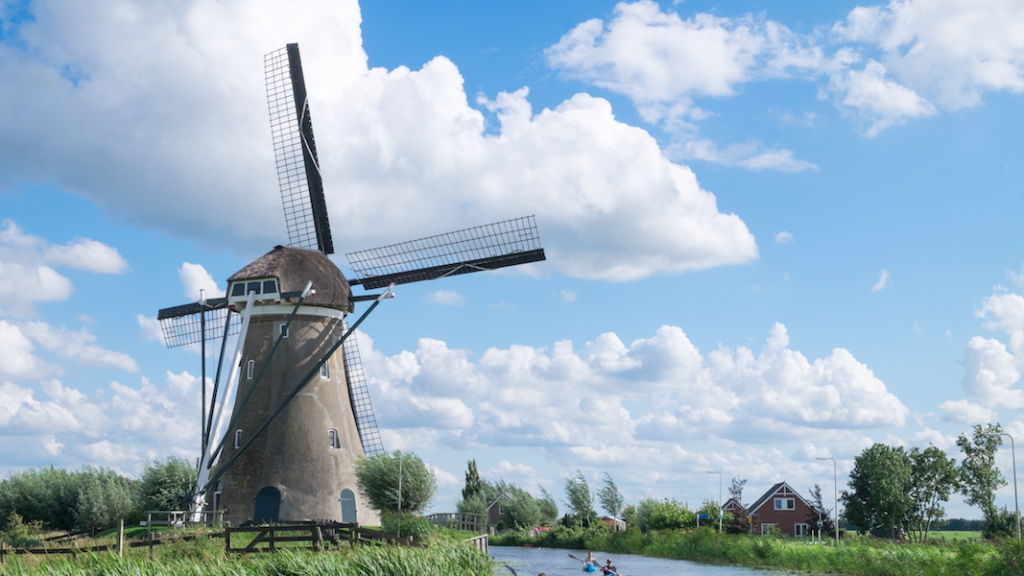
x=955 y=534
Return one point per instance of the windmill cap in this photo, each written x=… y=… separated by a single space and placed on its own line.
x=293 y=267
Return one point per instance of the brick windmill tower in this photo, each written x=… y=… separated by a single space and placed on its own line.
x=282 y=431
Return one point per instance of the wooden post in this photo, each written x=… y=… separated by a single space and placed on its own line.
x=227 y=540
x=3 y=551
x=318 y=539
x=149 y=525
x=74 y=549
x=120 y=539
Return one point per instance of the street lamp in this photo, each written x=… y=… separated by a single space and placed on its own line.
x=835 y=491
x=1013 y=453
x=719 y=497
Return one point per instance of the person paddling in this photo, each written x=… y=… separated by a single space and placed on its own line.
x=609 y=568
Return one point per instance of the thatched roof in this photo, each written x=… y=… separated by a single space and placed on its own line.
x=296 y=266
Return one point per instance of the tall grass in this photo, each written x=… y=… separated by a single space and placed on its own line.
x=854 y=557
x=444 y=557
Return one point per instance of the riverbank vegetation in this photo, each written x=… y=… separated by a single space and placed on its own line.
x=855 y=556
x=444 y=557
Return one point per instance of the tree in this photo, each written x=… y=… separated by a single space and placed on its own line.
x=655 y=514
x=579 y=499
x=933 y=479
x=520 y=509
x=474 y=485
x=819 y=512
x=611 y=498
x=739 y=522
x=167 y=484
x=548 y=508
x=377 y=477
x=104 y=498
x=880 y=483
x=978 y=473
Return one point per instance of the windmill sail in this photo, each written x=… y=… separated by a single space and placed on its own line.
x=181 y=325
x=359 y=396
x=487 y=247
x=298 y=169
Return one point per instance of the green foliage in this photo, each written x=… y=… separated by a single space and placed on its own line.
x=611 y=498
x=548 y=508
x=933 y=479
x=474 y=485
x=579 y=499
x=63 y=500
x=656 y=514
x=412 y=526
x=167 y=484
x=377 y=477
x=20 y=535
x=880 y=484
x=819 y=511
x=104 y=497
x=519 y=510
x=711 y=508
x=1002 y=524
x=473 y=505
x=978 y=472
x=629 y=515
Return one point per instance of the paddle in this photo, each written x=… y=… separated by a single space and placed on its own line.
x=584 y=561
x=511 y=570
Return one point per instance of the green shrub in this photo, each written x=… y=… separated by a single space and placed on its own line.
x=412 y=526
x=20 y=535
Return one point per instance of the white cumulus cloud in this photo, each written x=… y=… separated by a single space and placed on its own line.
x=783 y=237
x=883 y=281
x=446 y=298
x=88 y=254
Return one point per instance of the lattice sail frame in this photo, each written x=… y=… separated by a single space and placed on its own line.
x=187 y=329
x=487 y=247
x=298 y=169
x=359 y=396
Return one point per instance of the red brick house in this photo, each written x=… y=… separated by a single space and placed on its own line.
x=494 y=509
x=783 y=507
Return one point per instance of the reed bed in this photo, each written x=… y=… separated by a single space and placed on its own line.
x=444 y=557
x=853 y=557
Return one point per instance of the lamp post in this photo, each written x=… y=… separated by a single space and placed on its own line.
x=835 y=492
x=719 y=497
x=1013 y=453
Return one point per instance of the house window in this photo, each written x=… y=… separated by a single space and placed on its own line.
x=248 y=369
x=801 y=530
x=766 y=529
x=333 y=436
x=238 y=438
x=325 y=372
x=785 y=503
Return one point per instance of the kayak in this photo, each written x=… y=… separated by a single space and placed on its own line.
x=589 y=568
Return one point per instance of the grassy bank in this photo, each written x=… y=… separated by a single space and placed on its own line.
x=854 y=557
x=444 y=557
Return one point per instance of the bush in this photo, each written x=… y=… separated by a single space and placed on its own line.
x=20 y=535
x=167 y=484
x=378 y=478
x=412 y=526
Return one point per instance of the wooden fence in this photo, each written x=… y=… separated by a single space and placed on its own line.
x=479 y=542
x=318 y=536
x=476 y=523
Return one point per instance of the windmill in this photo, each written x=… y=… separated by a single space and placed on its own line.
x=285 y=448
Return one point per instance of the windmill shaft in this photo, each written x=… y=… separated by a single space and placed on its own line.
x=216 y=384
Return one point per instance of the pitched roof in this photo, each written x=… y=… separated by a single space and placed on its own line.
x=500 y=496
x=771 y=492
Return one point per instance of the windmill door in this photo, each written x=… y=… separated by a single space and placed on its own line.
x=268 y=505
x=348 y=506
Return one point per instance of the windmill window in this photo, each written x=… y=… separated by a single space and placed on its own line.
x=238 y=438
x=238 y=289
x=284 y=330
x=269 y=287
x=248 y=369
x=333 y=436
x=253 y=287
x=216 y=497
x=325 y=371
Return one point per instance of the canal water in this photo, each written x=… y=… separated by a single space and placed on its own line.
x=556 y=562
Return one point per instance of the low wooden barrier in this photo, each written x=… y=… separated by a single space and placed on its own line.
x=476 y=523
x=479 y=542
x=317 y=535
x=75 y=549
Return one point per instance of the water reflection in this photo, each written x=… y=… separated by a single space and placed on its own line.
x=556 y=562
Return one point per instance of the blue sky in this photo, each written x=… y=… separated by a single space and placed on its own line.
x=775 y=231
